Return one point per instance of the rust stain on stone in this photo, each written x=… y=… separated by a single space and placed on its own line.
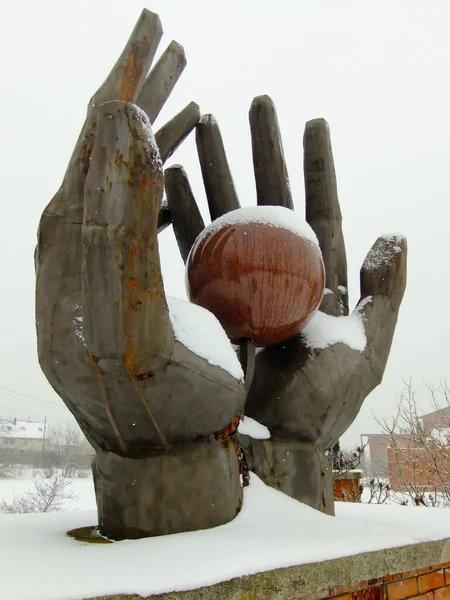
x=132 y=72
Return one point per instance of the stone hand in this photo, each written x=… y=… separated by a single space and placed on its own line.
x=152 y=408
x=309 y=389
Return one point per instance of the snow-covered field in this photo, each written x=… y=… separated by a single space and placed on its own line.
x=83 y=491
x=40 y=562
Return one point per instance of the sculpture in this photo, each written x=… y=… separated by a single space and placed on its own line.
x=161 y=418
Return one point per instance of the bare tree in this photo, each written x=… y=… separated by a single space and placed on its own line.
x=8 y=469
x=48 y=495
x=345 y=465
x=379 y=492
x=68 y=445
x=419 y=447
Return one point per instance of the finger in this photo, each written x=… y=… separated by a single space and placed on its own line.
x=168 y=138
x=133 y=64
x=217 y=179
x=161 y=80
x=125 y=313
x=313 y=385
x=323 y=213
x=383 y=283
x=121 y=84
x=187 y=220
x=59 y=247
x=173 y=133
x=269 y=165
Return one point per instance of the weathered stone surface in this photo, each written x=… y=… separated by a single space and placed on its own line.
x=186 y=488
x=172 y=134
x=323 y=213
x=161 y=81
x=269 y=165
x=186 y=217
x=217 y=178
x=298 y=469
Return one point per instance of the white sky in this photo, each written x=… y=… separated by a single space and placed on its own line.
x=377 y=71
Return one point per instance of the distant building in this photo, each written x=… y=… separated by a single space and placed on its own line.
x=406 y=458
x=438 y=420
x=376 y=448
x=22 y=435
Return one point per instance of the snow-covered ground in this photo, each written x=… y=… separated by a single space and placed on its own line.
x=40 y=562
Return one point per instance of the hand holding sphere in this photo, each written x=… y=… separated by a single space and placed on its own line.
x=161 y=418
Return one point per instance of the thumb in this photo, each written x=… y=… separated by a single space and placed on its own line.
x=383 y=283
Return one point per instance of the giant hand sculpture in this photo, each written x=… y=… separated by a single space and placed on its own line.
x=152 y=408
x=161 y=418
x=309 y=389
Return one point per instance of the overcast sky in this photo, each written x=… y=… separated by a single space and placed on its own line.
x=379 y=72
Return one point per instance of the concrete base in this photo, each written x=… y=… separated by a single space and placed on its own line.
x=316 y=579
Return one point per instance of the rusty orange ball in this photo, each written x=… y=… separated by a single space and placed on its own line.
x=259 y=271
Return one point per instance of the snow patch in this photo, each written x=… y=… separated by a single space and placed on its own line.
x=208 y=119
x=325 y=330
x=79 y=329
x=253 y=429
x=363 y=303
x=201 y=332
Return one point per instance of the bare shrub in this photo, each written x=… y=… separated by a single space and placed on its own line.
x=11 y=470
x=68 y=445
x=419 y=448
x=48 y=495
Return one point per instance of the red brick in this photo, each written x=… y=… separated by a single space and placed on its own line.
x=402 y=589
x=343 y=597
x=447 y=576
x=428 y=596
x=442 y=593
x=369 y=593
x=432 y=581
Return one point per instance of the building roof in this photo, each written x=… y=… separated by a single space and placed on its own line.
x=437 y=414
x=22 y=429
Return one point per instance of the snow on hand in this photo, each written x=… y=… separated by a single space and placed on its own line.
x=201 y=332
x=253 y=429
x=143 y=119
x=384 y=251
x=325 y=330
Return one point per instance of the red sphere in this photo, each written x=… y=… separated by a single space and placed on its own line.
x=262 y=282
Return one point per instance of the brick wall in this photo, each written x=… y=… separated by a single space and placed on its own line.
x=378 y=444
x=415 y=468
x=347 y=487
x=430 y=583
